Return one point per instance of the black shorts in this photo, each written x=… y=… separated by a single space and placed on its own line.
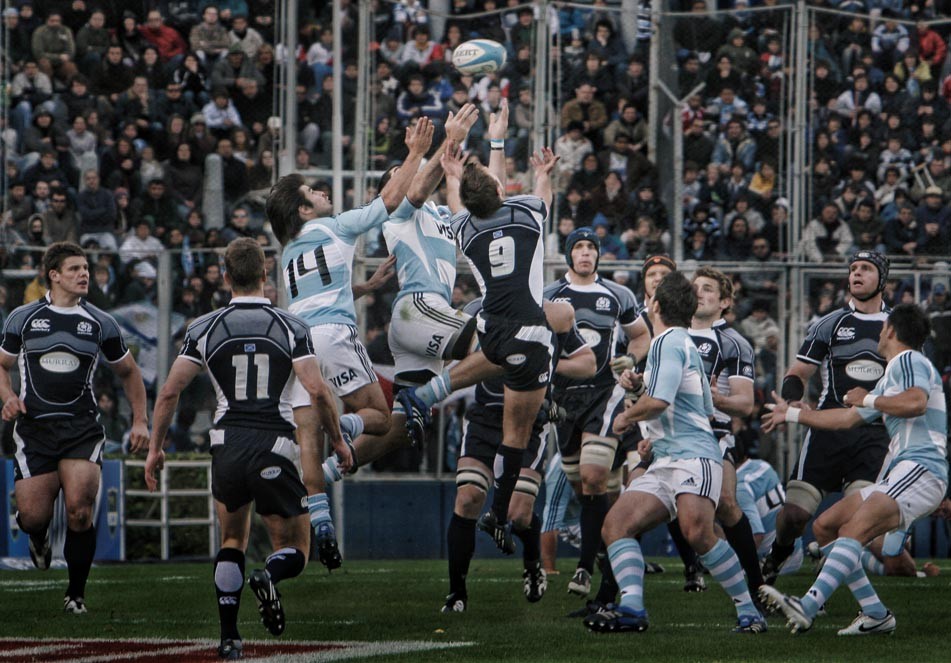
x=42 y=443
x=248 y=464
x=525 y=351
x=588 y=411
x=831 y=459
x=481 y=442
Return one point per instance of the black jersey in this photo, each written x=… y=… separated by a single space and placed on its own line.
x=726 y=354
x=599 y=308
x=58 y=350
x=844 y=344
x=490 y=394
x=250 y=347
x=506 y=253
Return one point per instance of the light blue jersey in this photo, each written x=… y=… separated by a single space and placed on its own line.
x=318 y=263
x=424 y=245
x=923 y=439
x=675 y=375
x=760 y=495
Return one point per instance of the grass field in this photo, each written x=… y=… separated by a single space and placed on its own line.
x=399 y=601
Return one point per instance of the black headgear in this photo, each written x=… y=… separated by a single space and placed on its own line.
x=578 y=234
x=881 y=264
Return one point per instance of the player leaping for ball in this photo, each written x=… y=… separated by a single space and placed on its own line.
x=912 y=482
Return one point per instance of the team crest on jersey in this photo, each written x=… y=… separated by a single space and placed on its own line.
x=497 y=234
x=704 y=348
x=84 y=328
x=40 y=324
x=845 y=333
x=602 y=304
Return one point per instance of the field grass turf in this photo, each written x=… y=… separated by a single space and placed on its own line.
x=373 y=601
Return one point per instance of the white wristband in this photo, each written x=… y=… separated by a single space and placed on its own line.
x=792 y=415
x=869 y=401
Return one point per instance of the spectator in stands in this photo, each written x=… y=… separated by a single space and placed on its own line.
x=759 y=326
x=612 y=248
x=113 y=77
x=92 y=42
x=736 y=244
x=901 y=233
x=598 y=75
x=253 y=106
x=209 y=39
x=320 y=55
x=220 y=114
x=523 y=32
x=743 y=59
x=607 y=45
x=928 y=104
x=935 y=174
x=577 y=206
x=633 y=84
x=97 y=213
x=170 y=44
x=690 y=74
x=723 y=76
x=234 y=173
x=571 y=148
x=60 y=220
x=938 y=308
x=610 y=200
x=697 y=246
x=699 y=33
x=761 y=282
x=54 y=47
x=763 y=183
x=82 y=145
x=140 y=244
x=777 y=227
x=849 y=103
x=726 y=106
x=261 y=175
x=229 y=71
x=102 y=290
x=141 y=287
x=934 y=224
x=586 y=109
x=238 y=225
x=866 y=227
x=827 y=237
x=18 y=204
x=698 y=146
x=245 y=36
x=742 y=207
x=159 y=206
x=18 y=41
x=192 y=78
x=184 y=178
x=890 y=41
x=643 y=239
x=30 y=91
x=420 y=54
x=40 y=197
x=138 y=106
x=646 y=203
x=149 y=66
x=734 y=145
x=46 y=169
x=416 y=101
x=631 y=123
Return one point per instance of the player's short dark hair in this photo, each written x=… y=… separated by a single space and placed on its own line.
x=722 y=280
x=244 y=263
x=57 y=253
x=676 y=299
x=911 y=324
x=478 y=191
x=282 y=207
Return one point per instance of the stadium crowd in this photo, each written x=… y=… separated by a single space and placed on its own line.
x=121 y=116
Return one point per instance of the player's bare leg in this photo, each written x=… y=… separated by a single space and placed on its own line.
x=35 y=497
x=310 y=441
x=80 y=481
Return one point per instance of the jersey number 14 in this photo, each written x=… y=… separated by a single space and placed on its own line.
x=306 y=263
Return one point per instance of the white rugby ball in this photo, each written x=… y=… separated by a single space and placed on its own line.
x=479 y=56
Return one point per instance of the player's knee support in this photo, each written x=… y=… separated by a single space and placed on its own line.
x=571 y=466
x=527 y=486
x=598 y=451
x=632 y=458
x=473 y=477
x=855 y=486
x=803 y=495
x=615 y=479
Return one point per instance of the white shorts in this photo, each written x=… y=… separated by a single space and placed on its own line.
x=423 y=330
x=344 y=362
x=666 y=478
x=917 y=491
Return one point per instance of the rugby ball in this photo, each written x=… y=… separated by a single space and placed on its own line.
x=479 y=56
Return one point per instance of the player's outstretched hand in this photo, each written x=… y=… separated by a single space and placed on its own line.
x=622 y=363
x=855 y=396
x=154 y=463
x=13 y=408
x=543 y=161
x=775 y=413
x=499 y=122
x=344 y=455
x=419 y=137
x=383 y=273
x=458 y=125
x=453 y=161
x=139 y=438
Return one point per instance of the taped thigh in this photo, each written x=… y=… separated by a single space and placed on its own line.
x=804 y=495
x=527 y=485
x=615 y=479
x=571 y=466
x=475 y=477
x=598 y=451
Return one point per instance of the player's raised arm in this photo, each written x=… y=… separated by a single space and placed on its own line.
x=381 y=277
x=419 y=139
x=543 y=162
x=495 y=132
x=452 y=163
x=457 y=129
x=833 y=419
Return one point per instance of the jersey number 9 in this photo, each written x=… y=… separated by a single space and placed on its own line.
x=502 y=256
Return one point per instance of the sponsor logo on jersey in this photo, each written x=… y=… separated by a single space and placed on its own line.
x=845 y=333
x=591 y=336
x=59 y=362
x=566 y=300
x=84 y=328
x=516 y=359
x=688 y=482
x=40 y=324
x=543 y=377
x=602 y=304
x=250 y=347
x=432 y=348
x=748 y=371
x=270 y=472
x=344 y=378
x=864 y=370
